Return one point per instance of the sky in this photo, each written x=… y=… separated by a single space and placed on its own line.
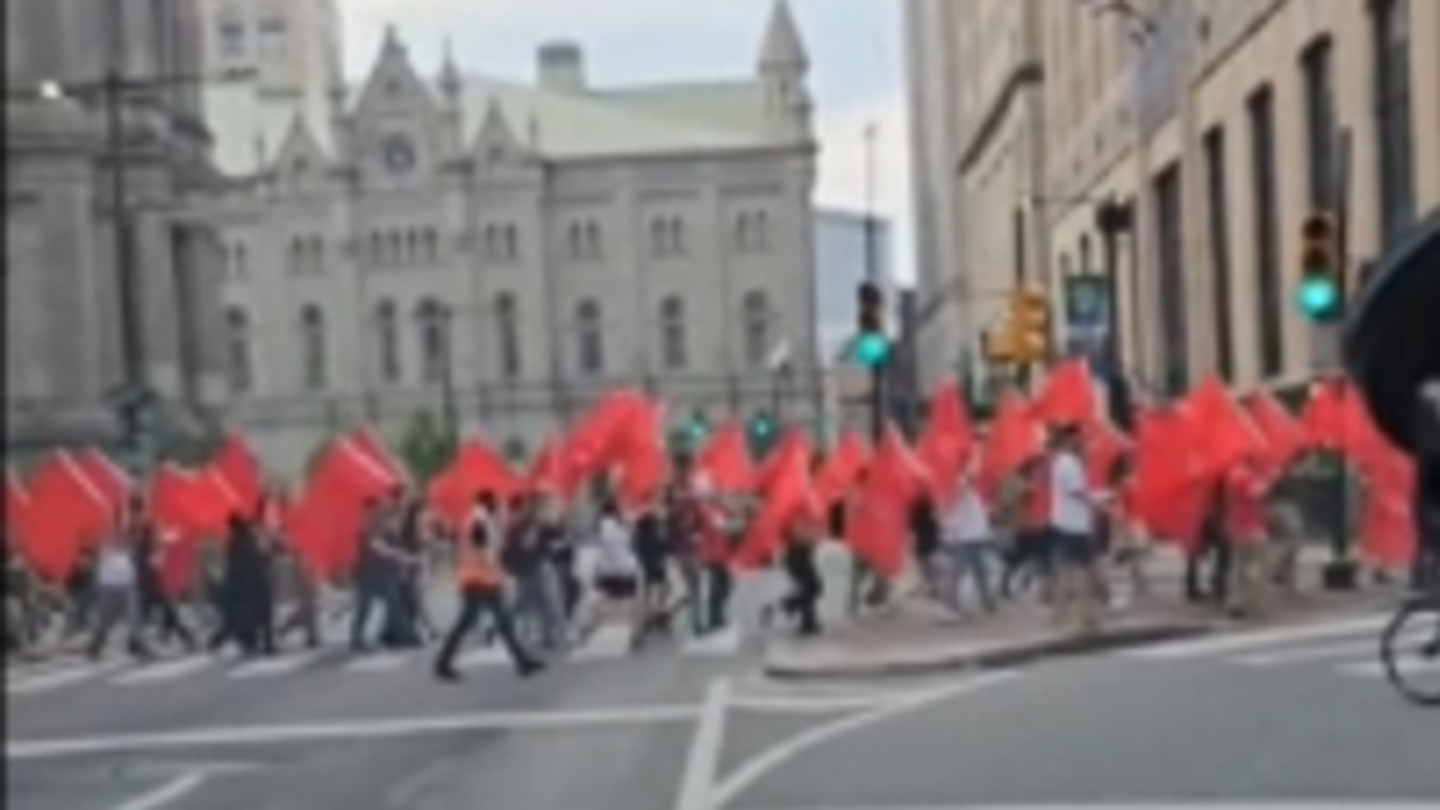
x=857 y=69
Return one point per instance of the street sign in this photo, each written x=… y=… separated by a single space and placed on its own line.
x=1086 y=322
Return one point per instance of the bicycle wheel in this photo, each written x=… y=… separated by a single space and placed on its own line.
x=1410 y=651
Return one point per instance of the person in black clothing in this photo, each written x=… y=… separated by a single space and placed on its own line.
x=1213 y=551
x=925 y=535
x=536 y=601
x=803 y=603
x=245 y=592
x=653 y=551
x=559 y=549
x=156 y=605
x=407 y=625
x=1425 y=573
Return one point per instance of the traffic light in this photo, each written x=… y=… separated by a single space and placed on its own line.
x=1321 y=293
x=697 y=427
x=762 y=430
x=1029 y=325
x=872 y=345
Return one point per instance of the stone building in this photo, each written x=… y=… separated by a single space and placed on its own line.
x=495 y=253
x=64 y=327
x=1215 y=121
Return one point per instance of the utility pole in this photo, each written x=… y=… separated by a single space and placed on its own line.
x=878 y=370
x=1341 y=572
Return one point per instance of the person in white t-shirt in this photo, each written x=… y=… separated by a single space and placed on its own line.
x=615 y=568
x=117 y=594
x=1073 y=507
x=967 y=539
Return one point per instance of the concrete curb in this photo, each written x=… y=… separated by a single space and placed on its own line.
x=997 y=656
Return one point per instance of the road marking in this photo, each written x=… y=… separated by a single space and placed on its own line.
x=815 y=704
x=719 y=643
x=1349 y=649
x=1409 y=666
x=1240 y=642
x=176 y=788
x=164 y=670
x=59 y=678
x=242 y=736
x=755 y=768
x=702 y=762
x=378 y=662
x=1163 y=804
x=488 y=656
x=279 y=665
x=608 y=641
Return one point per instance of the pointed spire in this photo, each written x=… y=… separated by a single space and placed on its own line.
x=782 y=48
x=449 y=73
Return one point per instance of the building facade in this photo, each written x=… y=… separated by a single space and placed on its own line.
x=290 y=46
x=1215 y=124
x=496 y=254
x=65 y=355
x=980 y=163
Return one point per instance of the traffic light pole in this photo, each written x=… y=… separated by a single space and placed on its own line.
x=872 y=275
x=1341 y=572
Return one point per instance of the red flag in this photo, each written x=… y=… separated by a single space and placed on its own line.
x=69 y=512
x=843 y=466
x=367 y=441
x=1012 y=440
x=724 y=462
x=237 y=463
x=1067 y=396
x=1104 y=445
x=107 y=476
x=775 y=464
x=639 y=456
x=788 y=497
x=948 y=439
x=476 y=468
x=1168 y=490
x=1229 y=436
x=1322 y=416
x=877 y=527
x=550 y=470
x=1285 y=438
x=193 y=503
x=344 y=479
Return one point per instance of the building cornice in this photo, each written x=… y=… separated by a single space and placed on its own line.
x=1023 y=75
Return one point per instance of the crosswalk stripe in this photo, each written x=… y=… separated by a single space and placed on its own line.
x=717 y=644
x=607 y=642
x=58 y=678
x=164 y=670
x=1254 y=639
x=1348 y=649
x=489 y=655
x=1412 y=665
x=378 y=662
x=279 y=665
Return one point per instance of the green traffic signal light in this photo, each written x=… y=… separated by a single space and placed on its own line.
x=871 y=349
x=1318 y=298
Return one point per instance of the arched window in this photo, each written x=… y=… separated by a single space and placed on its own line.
x=237 y=351
x=317 y=253
x=510 y=245
x=412 y=246
x=314 y=351
x=676 y=235
x=231 y=34
x=757 y=321
x=394 y=248
x=575 y=240
x=433 y=321
x=507 y=334
x=589 y=337
x=594 y=244
x=674 y=352
x=387 y=341
x=296 y=260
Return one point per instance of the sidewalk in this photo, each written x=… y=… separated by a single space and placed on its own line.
x=916 y=638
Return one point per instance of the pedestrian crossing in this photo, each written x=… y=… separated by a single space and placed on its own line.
x=607 y=644
x=1349 y=647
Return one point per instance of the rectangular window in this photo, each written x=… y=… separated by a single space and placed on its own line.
x=1269 y=313
x=1170 y=290
x=1394 y=128
x=1217 y=201
x=1317 y=65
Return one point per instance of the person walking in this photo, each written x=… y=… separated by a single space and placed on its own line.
x=1073 y=508
x=480 y=580
x=616 y=586
x=117 y=591
x=967 y=540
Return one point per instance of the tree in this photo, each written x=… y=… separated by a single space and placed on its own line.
x=427 y=447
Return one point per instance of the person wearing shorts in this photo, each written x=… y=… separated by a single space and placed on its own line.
x=616 y=575
x=1073 y=520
